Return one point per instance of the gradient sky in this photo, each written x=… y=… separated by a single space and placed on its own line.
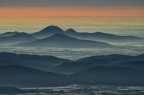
x=72 y=7
x=78 y=11
x=82 y=15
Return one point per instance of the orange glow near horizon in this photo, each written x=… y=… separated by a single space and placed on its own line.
x=24 y=12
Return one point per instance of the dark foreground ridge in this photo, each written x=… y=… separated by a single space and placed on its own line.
x=22 y=70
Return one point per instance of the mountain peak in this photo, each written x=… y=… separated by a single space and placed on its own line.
x=70 y=30
x=52 y=28
x=48 y=31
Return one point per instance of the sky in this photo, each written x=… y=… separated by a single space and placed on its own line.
x=82 y=15
x=72 y=3
x=72 y=7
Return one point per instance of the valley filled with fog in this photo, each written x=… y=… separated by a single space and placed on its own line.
x=77 y=53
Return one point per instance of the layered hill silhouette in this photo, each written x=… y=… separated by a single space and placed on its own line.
x=109 y=75
x=48 y=31
x=22 y=70
x=113 y=58
x=43 y=35
x=73 y=67
x=135 y=62
x=7 y=34
x=139 y=64
x=17 y=38
x=96 y=36
x=62 y=40
x=20 y=76
x=100 y=36
x=35 y=61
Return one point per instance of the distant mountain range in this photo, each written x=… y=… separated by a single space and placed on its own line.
x=48 y=31
x=21 y=70
x=97 y=36
x=46 y=34
x=7 y=34
x=16 y=38
x=62 y=40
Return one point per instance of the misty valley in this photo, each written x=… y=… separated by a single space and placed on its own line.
x=54 y=61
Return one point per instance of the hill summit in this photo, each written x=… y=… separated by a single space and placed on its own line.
x=48 y=31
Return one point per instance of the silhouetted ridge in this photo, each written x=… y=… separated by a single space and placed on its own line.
x=111 y=57
x=48 y=31
x=52 y=28
x=138 y=64
x=18 y=35
x=104 y=34
x=70 y=31
x=106 y=37
x=107 y=68
x=113 y=35
x=17 y=38
x=25 y=71
x=7 y=34
x=26 y=76
x=34 y=61
x=60 y=37
x=109 y=75
x=62 y=40
x=73 y=67
x=97 y=36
